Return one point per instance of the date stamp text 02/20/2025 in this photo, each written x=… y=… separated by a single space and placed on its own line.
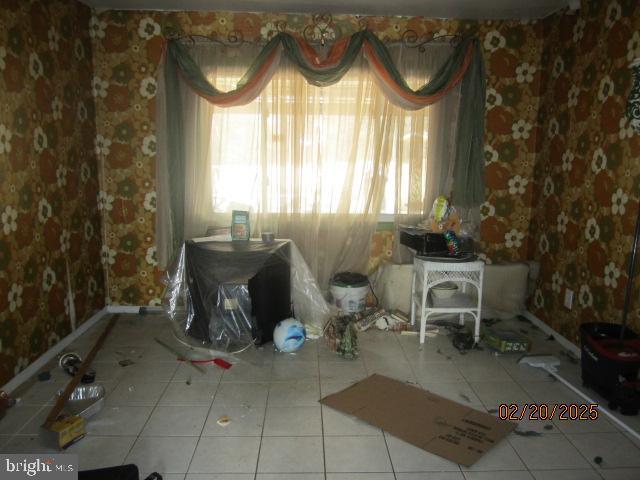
x=543 y=411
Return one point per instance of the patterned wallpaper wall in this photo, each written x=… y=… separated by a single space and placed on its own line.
x=127 y=47
x=588 y=170
x=48 y=178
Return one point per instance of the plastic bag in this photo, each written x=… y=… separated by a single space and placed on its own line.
x=225 y=296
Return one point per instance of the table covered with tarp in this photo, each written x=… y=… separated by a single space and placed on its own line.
x=228 y=295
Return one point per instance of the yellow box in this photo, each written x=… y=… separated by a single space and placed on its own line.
x=65 y=432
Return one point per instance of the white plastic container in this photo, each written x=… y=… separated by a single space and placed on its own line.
x=349 y=299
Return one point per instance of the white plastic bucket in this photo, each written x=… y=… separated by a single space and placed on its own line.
x=349 y=299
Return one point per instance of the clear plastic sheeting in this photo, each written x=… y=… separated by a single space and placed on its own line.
x=227 y=296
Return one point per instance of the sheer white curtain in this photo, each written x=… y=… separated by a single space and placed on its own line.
x=423 y=157
x=316 y=165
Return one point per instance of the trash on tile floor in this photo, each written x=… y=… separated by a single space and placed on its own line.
x=64 y=432
x=391 y=323
x=341 y=336
x=223 y=421
x=381 y=319
x=85 y=400
x=222 y=363
x=527 y=433
x=431 y=331
x=505 y=341
x=70 y=362
x=400 y=316
x=179 y=355
x=448 y=326
x=364 y=320
x=213 y=361
x=6 y=402
x=428 y=421
x=463 y=340
x=410 y=332
x=126 y=362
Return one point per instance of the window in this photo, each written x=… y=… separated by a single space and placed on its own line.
x=269 y=155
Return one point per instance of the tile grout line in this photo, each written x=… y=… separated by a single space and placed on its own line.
x=150 y=415
x=264 y=417
x=213 y=399
x=324 y=454
x=384 y=435
x=404 y=354
x=393 y=469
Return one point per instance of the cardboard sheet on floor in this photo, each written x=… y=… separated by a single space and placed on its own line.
x=421 y=418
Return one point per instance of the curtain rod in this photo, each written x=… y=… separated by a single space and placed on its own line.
x=409 y=38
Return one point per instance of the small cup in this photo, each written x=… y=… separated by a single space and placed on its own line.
x=268 y=237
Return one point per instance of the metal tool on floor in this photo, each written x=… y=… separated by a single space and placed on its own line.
x=64 y=431
x=70 y=363
x=550 y=364
x=178 y=354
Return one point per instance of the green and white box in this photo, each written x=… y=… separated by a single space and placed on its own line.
x=240 y=229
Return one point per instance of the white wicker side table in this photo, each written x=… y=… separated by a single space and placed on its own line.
x=428 y=273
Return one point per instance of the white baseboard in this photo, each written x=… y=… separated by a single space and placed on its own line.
x=567 y=344
x=133 y=309
x=47 y=356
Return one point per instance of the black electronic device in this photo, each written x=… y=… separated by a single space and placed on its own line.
x=423 y=241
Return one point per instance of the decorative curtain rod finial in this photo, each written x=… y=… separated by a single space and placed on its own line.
x=321 y=30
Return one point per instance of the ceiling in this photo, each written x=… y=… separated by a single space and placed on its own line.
x=467 y=9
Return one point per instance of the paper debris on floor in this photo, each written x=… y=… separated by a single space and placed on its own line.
x=223 y=421
x=428 y=421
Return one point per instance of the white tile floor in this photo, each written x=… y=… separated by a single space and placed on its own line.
x=162 y=415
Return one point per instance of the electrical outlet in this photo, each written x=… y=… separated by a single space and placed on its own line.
x=568 y=298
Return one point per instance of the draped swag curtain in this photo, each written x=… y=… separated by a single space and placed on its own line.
x=382 y=136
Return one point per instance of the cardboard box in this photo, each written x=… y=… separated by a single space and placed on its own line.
x=65 y=432
x=240 y=229
x=505 y=341
x=421 y=418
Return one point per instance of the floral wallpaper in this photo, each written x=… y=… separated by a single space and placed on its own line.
x=49 y=222
x=127 y=46
x=587 y=174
